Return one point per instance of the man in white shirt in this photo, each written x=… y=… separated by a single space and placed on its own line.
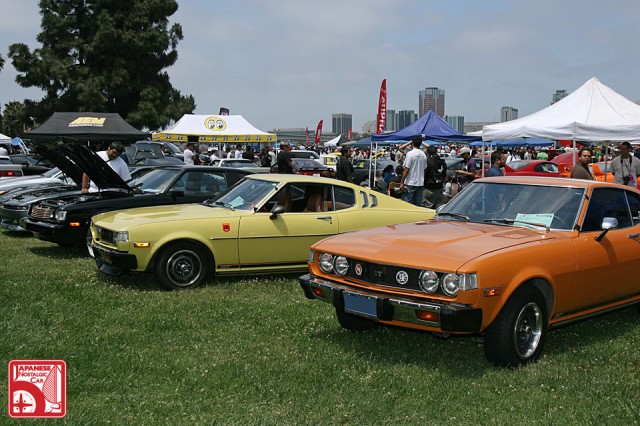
x=112 y=157
x=625 y=167
x=412 y=182
x=188 y=154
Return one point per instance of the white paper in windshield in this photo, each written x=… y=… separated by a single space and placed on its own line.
x=541 y=218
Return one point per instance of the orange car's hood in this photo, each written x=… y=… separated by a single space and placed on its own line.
x=438 y=244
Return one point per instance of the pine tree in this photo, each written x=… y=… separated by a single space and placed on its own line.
x=104 y=56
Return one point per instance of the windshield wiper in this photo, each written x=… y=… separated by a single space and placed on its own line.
x=456 y=215
x=223 y=204
x=512 y=221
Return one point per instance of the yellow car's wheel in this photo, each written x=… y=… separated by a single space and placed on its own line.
x=181 y=265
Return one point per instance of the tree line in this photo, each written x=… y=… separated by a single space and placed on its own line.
x=100 y=56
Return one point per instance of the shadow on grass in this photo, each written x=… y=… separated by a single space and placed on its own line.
x=19 y=234
x=147 y=281
x=60 y=252
x=463 y=355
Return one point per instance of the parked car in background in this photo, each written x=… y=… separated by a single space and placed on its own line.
x=601 y=171
x=309 y=167
x=149 y=153
x=528 y=168
x=240 y=163
x=52 y=178
x=8 y=169
x=30 y=164
x=65 y=220
x=303 y=153
x=264 y=224
x=330 y=161
x=453 y=164
x=361 y=168
x=508 y=258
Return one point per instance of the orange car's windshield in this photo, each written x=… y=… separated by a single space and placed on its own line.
x=554 y=206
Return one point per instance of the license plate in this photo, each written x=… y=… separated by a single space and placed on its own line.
x=360 y=304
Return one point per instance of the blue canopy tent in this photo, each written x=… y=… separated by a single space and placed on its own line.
x=429 y=126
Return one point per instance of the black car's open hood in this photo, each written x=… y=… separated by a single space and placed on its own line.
x=61 y=161
x=101 y=174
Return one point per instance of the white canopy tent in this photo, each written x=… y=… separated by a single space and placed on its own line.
x=213 y=128
x=338 y=140
x=594 y=112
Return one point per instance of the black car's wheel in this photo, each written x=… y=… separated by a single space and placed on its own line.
x=181 y=265
x=518 y=333
x=355 y=323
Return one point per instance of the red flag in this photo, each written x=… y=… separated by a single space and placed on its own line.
x=319 y=132
x=349 y=134
x=382 y=107
x=306 y=136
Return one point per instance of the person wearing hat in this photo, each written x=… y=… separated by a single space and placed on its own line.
x=468 y=172
x=112 y=157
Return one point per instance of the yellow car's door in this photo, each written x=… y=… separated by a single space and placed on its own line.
x=282 y=240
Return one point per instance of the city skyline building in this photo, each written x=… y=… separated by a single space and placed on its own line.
x=455 y=121
x=508 y=113
x=341 y=123
x=558 y=95
x=406 y=117
x=431 y=98
x=391 y=123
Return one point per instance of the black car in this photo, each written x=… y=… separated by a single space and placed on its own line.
x=309 y=167
x=361 y=168
x=65 y=220
x=31 y=165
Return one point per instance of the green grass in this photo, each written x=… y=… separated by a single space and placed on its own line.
x=255 y=351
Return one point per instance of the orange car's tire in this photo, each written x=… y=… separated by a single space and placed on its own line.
x=181 y=265
x=518 y=333
x=355 y=323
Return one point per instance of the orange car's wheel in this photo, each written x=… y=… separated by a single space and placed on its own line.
x=181 y=265
x=355 y=323
x=518 y=333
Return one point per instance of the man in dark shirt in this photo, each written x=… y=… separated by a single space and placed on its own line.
x=344 y=168
x=284 y=161
x=581 y=168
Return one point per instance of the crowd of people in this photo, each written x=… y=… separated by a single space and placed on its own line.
x=421 y=175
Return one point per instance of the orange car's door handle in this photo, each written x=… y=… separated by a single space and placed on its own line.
x=325 y=218
x=634 y=237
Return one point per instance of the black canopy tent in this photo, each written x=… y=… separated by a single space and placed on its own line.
x=86 y=127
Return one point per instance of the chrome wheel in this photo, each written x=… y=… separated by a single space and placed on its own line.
x=528 y=330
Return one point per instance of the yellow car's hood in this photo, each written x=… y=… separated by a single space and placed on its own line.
x=120 y=220
x=434 y=244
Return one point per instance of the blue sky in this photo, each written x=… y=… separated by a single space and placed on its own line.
x=291 y=63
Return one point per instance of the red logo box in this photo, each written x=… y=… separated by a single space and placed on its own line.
x=37 y=388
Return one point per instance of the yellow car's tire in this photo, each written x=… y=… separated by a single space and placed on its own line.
x=181 y=265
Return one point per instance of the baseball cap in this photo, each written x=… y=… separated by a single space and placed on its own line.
x=465 y=150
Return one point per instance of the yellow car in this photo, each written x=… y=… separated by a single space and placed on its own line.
x=264 y=223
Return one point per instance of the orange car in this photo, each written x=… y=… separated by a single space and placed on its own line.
x=601 y=171
x=508 y=258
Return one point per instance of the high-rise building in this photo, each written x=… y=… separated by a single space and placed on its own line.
x=431 y=98
x=455 y=121
x=369 y=127
x=341 y=123
x=508 y=113
x=391 y=123
x=558 y=95
x=406 y=117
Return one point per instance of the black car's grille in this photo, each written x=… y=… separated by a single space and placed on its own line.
x=386 y=275
x=41 y=212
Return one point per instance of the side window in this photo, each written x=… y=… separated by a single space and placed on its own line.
x=213 y=183
x=365 y=199
x=606 y=202
x=193 y=183
x=634 y=205
x=343 y=198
